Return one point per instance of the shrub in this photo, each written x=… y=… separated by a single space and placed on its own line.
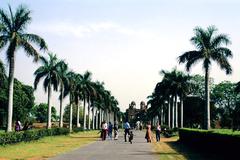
x=78 y=129
x=30 y=135
x=168 y=132
x=211 y=140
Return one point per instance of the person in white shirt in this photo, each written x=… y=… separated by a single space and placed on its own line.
x=126 y=130
x=158 y=131
x=104 y=130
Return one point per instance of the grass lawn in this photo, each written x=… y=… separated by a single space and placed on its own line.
x=172 y=149
x=47 y=147
x=166 y=151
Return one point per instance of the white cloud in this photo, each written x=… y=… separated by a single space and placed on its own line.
x=85 y=30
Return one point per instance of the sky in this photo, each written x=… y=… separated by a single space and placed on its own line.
x=125 y=43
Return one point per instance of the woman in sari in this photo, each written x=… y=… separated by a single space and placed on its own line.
x=148 y=136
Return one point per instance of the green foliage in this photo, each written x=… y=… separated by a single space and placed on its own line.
x=194 y=112
x=198 y=85
x=226 y=99
x=23 y=101
x=30 y=135
x=67 y=113
x=168 y=132
x=78 y=129
x=40 y=112
x=211 y=140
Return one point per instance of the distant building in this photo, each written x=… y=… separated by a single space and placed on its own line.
x=132 y=111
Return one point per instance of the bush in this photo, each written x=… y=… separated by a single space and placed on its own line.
x=30 y=135
x=168 y=132
x=211 y=140
x=78 y=129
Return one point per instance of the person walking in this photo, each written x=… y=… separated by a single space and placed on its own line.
x=148 y=135
x=104 y=130
x=110 y=128
x=115 y=127
x=158 y=131
x=126 y=130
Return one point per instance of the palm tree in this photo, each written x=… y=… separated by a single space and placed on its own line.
x=209 y=47
x=50 y=71
x=87 y=87
x=183 y=89
x=70 y=90
x=169 y=84
x=13 y=36
x=78 y=95
x=63 y=70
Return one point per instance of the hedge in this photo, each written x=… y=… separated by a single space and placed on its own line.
x=30 y=135
x=211 y=140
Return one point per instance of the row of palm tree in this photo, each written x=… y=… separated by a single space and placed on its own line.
x=173 y=85
x=78 y=88
x=210 y=46
x=13 y=36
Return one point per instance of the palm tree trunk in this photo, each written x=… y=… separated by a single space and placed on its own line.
x=100 y=117
x=176 y=112
x=78 y=117
x=61 y=108
x=10 y=92
x=169 y=112
x=207 y=100
x=109 y=116
x=181 y=102
x=93 y=118
x=84 y=113
x=97 y=119
x=89 y=113
x=49 y=107
x=161 y=115
x=173 y=115
x=70 y=115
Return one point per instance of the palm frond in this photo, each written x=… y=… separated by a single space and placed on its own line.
x=29 y=49
x=22 y=18
x=5 y=20
x=35 y=39
x=220 y=39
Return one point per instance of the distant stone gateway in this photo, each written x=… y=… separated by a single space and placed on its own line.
x=132 y=111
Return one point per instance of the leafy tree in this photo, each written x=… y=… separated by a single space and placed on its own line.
x=226 y=100
x=23 y=101
x=198 y=85
x=40 y=112
x=194 y=112
x=74 y=114
x=209 y=48
x=13 y=35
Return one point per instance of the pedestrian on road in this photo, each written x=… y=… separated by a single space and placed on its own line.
x=104 y=130
x=126 y=130
x=148 y=135
x=158 y=131
x=115 y=127
x=110 y=128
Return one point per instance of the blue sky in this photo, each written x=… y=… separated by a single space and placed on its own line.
x=125 y=43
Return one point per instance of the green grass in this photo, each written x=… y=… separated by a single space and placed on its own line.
x=47 y=147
